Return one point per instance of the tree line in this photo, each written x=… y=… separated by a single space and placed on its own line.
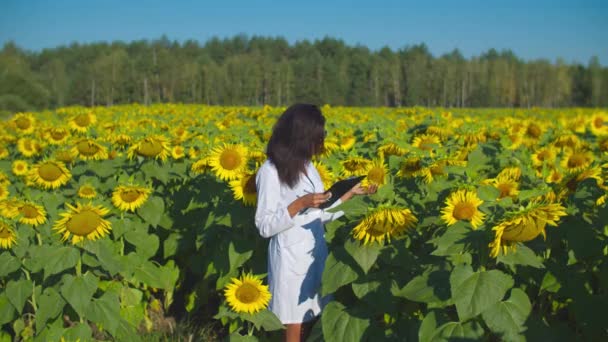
x=244 y=70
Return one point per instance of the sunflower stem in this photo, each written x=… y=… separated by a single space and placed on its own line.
x=39 y=238
x=79 y=265
x=249 y=328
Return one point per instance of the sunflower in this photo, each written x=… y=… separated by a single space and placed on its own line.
x=156 y=146
x=567 y=140
x=121 y=140
x=391 y=149
x=24 y=123
x=87 y=191
x=347 y=142
x=4 y=191
x=259 y=157
x=178 y=152
x=554 y=176
x=49 y=174
x=228 y=161
x=57 y=135
x=7 y=235
x=512 y=172
x=463 y=205
x=410 y=167
x=31 y=213
x=201 y=166
x=327 y=177
x=376 y=172
x=83 y=221
x=193 y=152
x=425 y=142
x=247 y=294
x=28 y=147
x=576 y=160
x=354 y=166
x=244 y=188
x=384 y=222
x=525 y=225
x=545 y=155
x=130 y=197
x=82 y=122
x=599 y=123
x=8 y=208
x=89 y=149
x=3 y=152
x=66 y=155
x=20 y=167
x=507 y=186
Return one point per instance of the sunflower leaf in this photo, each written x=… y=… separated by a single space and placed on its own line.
x=340 y=324
x=18 y=292
x=8 y=264
x=474 y=292
x=59 y=259
x=50 y=305
x=336 y=273
x=7 y=311
x=458 y=331
x=523 y=256
x=364 y=255
x=79 y=290
x=152 y=210
x=105 y=311
x=508 y=317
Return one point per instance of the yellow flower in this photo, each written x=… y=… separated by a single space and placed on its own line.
x=599 y=123
x=66 y=156
x=327 y=177
x=87 y=191
x=24 y=123
x=3 y=152
x=49 y=174
x=156 y=146
x=28 y=147
x=82 y=122
x=376 y=172
x=247 y=294
x=178 y=152
x=228 y=161
x=130 y=197
x=506 y=185
x=20 y=167
x=347 y=142
x=57 y=135
x=201 y=166
x=7 y=235
x=384 y=222
x=31 y=213
x=554 y=176
x=576 y=160
x=525 y=225
x=354 y=166
x=410 y=167
x=88 y=149
x=83 y=222
x=244 y=188
x=463 y=205
x=425 y=142
x=545 y=155
x=391 y=149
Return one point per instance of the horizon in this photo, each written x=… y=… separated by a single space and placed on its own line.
x=574 y=32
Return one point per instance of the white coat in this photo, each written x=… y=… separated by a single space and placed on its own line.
x=297 y=250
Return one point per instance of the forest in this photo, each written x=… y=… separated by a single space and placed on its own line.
x=255 y=71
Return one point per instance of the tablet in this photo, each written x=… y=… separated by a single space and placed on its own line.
x=340 y=188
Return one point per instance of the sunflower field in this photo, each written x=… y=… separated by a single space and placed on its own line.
x=488 y=224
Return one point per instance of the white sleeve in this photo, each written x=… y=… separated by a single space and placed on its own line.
x=271 y=216
x=327 y=216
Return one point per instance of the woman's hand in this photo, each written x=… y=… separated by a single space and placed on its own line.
x=313 y=200
x=359 y=190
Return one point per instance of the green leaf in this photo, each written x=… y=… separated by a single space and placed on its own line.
x=50 y=305
x=152 y=210
x=105 y=311
x=457 y=331
x=488 y=193
x=427 y=327
x=7 y=310
x=523 y=256
x=146 y=244
x=264 y=319
x=163 y=277
x=508 y=317
x=8 y=264
x=18 y=292
x=452 y=240
x=474 y=292
x=550 y=283
x=79 y=332
x=59 y=259
x=237 y=337
x=335 y=275
x=170 y=245
x=160 y=172
x=353 y=208
x=364 y=255
x=427 y=288
x=51 y=331
x=362 y=289
x=340 y=325
x=79 y=290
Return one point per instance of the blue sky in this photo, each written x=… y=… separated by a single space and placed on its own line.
x=573 y=30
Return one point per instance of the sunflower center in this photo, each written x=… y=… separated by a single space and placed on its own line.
x=250 y=187
x=598 y=122
x=83 y=223
x=150 y=148
x=376 y=175
x=543 y=155
x=50 y=172
x=576 y=160
x=87 y=149
x=27 y=144
x=247 y=293
x=86 y=190
x=464 y=211
x=23 y=123
x=533 y=131
x=82 y=120
x=378 y=229
x=58 y=135
x=19 y=167
x=437 y=170
x=130 y=195
x=5 y=233
x=29 y=211
x=412 y=165
x=426 y=145
x=230 y=160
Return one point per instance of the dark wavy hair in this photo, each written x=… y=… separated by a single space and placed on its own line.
x=297 y=136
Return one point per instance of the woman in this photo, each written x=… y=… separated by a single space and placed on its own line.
x=290 y=191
